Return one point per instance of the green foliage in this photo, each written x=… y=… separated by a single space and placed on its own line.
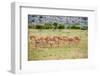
x=61 y=26
x=84 y=27
x=30 y=27
x=68 y=26
x=75 y=27
x=39 y=27
x=55 y=25
x=48 y=26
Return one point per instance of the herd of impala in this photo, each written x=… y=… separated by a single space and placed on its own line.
x=53 y=41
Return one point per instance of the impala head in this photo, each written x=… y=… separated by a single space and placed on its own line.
x=70 y=39
x=77 y=38
x=32 y=37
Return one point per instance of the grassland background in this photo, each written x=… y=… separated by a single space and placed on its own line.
x=66 y=52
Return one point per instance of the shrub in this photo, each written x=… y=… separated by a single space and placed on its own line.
x=39 y=27
x=48 y=26
x=75 y=27
x=61 y=26
x=29 y=26
x=84 y=27
x=68 y=26
x=55 y=25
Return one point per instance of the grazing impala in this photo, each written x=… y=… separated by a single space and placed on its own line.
x=32 y=38
x=53 y=41
x=70 y=40
x=65 y=39
x=76 y=39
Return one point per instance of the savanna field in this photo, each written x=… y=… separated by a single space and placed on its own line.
x=56 y=50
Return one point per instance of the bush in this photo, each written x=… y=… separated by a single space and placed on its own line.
x=84 y=27
x=29 y=26
x=75 y=27
x=39 y=27
x=68 y=26
x=55 y=25
x=48 y=26
x=61 y=26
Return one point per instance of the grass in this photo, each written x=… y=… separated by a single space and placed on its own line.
x=57 y=53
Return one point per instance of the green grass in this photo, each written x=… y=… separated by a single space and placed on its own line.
x=57 y=53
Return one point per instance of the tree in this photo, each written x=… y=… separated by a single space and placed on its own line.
x=61 y=26
x=39 y=27
x=55 y=25
x=48 y=26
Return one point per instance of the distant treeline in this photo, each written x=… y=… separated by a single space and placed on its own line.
x=57 y=26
